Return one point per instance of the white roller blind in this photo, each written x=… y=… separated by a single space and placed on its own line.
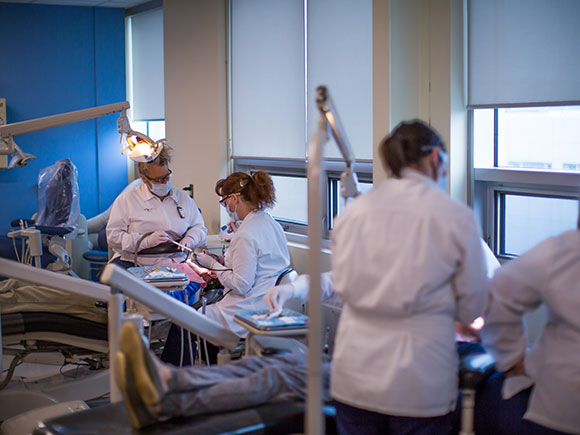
x=147 y=65
x=268 y=114
x=523 y=51
x=340 y=57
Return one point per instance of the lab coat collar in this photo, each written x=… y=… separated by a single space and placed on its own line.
x=251 y=216
x=413 y=174
x=146 y=194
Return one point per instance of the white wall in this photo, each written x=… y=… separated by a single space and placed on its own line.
x=381 y=82
x=196 y=97
x=427 y=75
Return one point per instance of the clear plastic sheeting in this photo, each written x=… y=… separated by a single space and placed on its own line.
x=58 y=196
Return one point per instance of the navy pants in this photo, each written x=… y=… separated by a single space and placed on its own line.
x=504 y=416
x=355 y=421
x=172 y=349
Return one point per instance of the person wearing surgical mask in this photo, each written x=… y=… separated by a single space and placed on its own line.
x=258 y=251
x=145 y=218
x=407 y=264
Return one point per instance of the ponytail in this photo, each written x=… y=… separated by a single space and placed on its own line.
x=409 y=142
x=257 y=189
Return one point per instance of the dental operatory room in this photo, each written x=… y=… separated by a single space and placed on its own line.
x=290 y=217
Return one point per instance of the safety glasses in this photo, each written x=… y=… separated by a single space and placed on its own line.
x=225 y=198
x=160 y=180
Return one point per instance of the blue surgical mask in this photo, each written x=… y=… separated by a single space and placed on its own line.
x=442 y=171
x=161 y=189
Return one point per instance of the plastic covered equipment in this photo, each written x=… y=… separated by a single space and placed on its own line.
x=58 y=196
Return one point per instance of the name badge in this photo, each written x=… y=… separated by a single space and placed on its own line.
x=180 y=212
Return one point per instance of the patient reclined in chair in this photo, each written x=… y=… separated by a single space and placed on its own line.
x=154 y=391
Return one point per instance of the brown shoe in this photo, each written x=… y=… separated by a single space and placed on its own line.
x=141 y=364
x=138 y=413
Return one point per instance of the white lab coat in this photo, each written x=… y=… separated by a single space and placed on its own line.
x=137 y=211
x=549 y=273
x=257 y=254
x=407 y=262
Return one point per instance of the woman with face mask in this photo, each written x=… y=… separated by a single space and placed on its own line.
x=144 y=218
x=407 y=263
x=258 y=251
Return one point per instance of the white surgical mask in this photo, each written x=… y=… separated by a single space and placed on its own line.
x=232 y=214
x=442 y=171
x=160 y=189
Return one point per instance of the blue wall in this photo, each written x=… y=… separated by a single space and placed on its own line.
x=56 y=59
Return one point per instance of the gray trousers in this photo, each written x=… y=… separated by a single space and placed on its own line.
x=242 y=384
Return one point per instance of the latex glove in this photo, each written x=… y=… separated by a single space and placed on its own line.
x=154 y=239
x=277 y=296
x=188 y=242
x=205 y=260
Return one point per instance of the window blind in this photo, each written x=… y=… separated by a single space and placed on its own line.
x=523 y=52
x=267 y=78
x=147 y=65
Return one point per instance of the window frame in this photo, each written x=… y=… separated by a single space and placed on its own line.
x=298 y=168
x=488 y=184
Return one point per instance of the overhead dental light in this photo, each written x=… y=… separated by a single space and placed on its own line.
x=141 y=147
x=314 y=423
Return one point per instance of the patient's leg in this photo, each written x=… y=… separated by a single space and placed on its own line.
x=274 y=381
x=194 y=378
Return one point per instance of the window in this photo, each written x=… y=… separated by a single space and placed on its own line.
x=528 y=137
x=524 y=101
x=145 y=77
x=526 y=220
x=291 y=207
x=154 y=129
x=279 y=54
x=526 y=174
x=337 y=201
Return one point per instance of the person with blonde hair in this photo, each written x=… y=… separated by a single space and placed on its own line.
x=145 y=217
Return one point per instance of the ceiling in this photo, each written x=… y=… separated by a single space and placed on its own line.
x=125 y=4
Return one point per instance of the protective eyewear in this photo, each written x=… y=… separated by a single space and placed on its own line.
x=160 y=180
x=225 y=198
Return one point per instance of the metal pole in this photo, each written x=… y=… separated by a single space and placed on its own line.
x=314 y=423
x=115 y=311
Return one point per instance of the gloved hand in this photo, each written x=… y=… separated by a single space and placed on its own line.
x=188 y=241
x=205 y=260
x=154 y=239
x=277 y=296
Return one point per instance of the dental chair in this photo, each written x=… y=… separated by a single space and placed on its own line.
x=50 y=319
x=57 y=217
x=275 y=418
x=98 y=257
x=474 y=370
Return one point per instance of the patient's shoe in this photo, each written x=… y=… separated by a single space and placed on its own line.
x=138 y=412
x=146 y=372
